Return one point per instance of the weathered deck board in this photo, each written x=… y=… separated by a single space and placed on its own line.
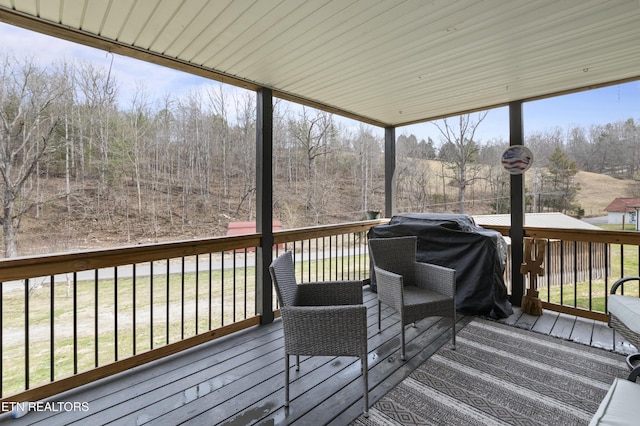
x=239 y=379
x=545 y=323
x=602 y=337
x=563 y=326
x=582 y=331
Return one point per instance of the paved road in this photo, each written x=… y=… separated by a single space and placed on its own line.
x=600 y=220
x=159 y=268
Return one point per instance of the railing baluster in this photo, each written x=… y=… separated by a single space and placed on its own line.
x=302 y=261
x=52 y=310
x=590 y=277
x=96 y=326
x=622 y=262
x=575 y=274
x=222 y=289
x=115 y=311
x=317 y=253
x=358 y=252
x=310 y=273
x=342 y=257
x=197 y=298
x=210 y=290
x=75 y=323
x=606 y=276
x=151 y=303
x=330 y=258
x=349 y=263
x=323 y=257
x=234 y=284
x=133 y=283
x=168 y=283
x=26 y=333
x=182 y=301
x=562 y=272
x=549 y=276
x=246 y=283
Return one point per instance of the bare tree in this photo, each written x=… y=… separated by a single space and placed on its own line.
x=98 y=93
x=243 y=160
x=313 y=133
x=28 y=134
x=368 y=150
x=217 y=102
x=460 y=150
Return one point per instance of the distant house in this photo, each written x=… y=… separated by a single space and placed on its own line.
x=623 y=210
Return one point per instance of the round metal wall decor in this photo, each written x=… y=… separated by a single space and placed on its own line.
x=516 y=159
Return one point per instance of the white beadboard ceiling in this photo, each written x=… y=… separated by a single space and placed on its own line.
x=385 y=62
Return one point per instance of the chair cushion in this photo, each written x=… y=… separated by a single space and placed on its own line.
x=619 y=406
x=418 y=296
x=627 y=309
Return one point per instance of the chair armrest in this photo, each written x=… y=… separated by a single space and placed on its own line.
x=621 y=281
x=390 y=288
x=436 y=278
x=330 y=293
x=325 y=330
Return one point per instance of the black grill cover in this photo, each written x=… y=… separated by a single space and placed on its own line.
x=478 y=255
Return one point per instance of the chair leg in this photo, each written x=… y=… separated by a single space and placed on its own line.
x=633 y=376
x=454 y=328
x=297 y=362
x=379 y=316
x=402 y=354
x=286 y=380
x=365 y=378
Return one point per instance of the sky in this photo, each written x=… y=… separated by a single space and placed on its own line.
x=594 y=107
x=584 y=109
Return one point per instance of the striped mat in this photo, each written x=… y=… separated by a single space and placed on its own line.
x=502 y=375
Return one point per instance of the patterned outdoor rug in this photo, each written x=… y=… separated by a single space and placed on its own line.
x=502 y=375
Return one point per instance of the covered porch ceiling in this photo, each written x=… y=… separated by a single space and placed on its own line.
x=386 y=63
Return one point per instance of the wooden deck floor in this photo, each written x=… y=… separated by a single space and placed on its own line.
x=239 y=379
x=568 y=327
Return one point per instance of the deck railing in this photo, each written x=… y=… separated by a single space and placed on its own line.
x=73 y=318
x=580 y=266
x=68 y=319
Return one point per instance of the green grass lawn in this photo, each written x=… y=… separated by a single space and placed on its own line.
x=624 y=261
x=579 y=295
x=216 y=307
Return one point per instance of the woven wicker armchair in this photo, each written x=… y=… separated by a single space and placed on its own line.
x=321 y=318
x=414 y=289
x=624 y=318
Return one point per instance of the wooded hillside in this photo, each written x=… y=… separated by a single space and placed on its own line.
x=80 y=168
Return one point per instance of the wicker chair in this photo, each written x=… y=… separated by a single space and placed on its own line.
x=624 y=318
x=414 y=289
x=321 y=318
